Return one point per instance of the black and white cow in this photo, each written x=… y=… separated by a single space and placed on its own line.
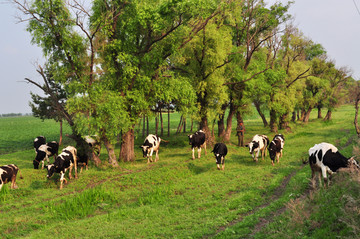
x=276 y=148
x=38 y=141
x=82 y=161
x=220 y=151
x=151 y=144
x=8 y=173
x=257 y=144
x=325 y=158
x=44 y=152
x=197 y=140
x=94 y=142
x=63 y=162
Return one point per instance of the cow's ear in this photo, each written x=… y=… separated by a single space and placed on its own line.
x=140 y=146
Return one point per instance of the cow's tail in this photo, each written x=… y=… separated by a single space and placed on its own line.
x=166 y=141
x=305 y=160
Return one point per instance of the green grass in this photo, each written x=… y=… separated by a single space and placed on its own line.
x=176 y=197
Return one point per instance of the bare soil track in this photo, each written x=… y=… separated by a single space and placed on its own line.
x=264 y=220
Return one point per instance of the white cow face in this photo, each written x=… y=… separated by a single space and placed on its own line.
x=145 y=150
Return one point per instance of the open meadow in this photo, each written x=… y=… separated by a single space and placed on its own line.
x=178 y=197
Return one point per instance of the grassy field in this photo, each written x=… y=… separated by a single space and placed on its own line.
x=178 y=197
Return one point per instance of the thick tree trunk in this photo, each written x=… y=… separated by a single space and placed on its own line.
x=61 y=132
x=257 y=106
x=111 y=152
x=283 y=121
x=273 y=123
x=307 y=115
x=319 y=112
x=293 y=117
x=221 y=121
x=127 y=152
x=302 y=115
x=229 y=119
x=205 y=127
x=328 y=115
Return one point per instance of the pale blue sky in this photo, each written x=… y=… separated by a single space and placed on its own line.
x=333 y=23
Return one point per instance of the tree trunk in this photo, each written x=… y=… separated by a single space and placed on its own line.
x=221 y=124
x=283 y=122
x=293 y=117
x=61 y=132
x=357 y=128
x=143 y=131
x=257 y=106
x=273 y=123
x=328 y=115
x=232 y=111
x=147 y=125
x=111 y=152
x=319 y=112
x=184 y=130
x=156 y=123
x=127 y=152
x=168 y=120
x=302 y=116
x=205 y=127
x=307 y=115
x=161 y=124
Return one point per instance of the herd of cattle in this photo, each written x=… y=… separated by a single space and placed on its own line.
x=324 y=158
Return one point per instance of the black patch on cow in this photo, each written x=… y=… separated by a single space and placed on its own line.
x=335 y=160
x=220 y=150
x=197 y=139
x=312 y=159
x=274 y=148
x=38 y=141
x=255 y=145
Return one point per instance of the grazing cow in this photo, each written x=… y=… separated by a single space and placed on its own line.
x=197 y=140
x=94 y=143
x=38 y=141
x=8 y=173
x=63 y=162
x=257 y=144
x=276 y=148
x=220 y=151
x=151 y=144
x=325 y=158
x=44 y=152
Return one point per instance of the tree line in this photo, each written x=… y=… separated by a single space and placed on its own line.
x=111 y=63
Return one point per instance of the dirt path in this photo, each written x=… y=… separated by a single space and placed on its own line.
x=263 y=221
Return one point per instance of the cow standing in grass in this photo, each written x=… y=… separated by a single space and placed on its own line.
x=197 y=140
x=220 y=151
x=64 y=162
x=324 y=158
x=151 y=144
x=257 y=144
x=8 y=173
x=276 y=148
x=43 y=152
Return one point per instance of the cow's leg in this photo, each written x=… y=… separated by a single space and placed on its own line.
x=223 y=163
x=272 y=162
x=205 y=147
x=218 y=166
x=199 y=152
x=193 y=153
x=62 y=178
x=257 y=155
x=151 y=153
x=156 y=155
x=1 y=184
x=13 y=180
x=278 y=157
x=281 y=153
x=75 y=165
x=42 y=164
x=263 y=153
x=324 y=175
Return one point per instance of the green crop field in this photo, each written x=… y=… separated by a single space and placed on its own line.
x=178 y=197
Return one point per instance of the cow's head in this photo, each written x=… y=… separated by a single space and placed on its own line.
x=219 y=158
x=272 y=152
x=51 y=170
x=252 y=146
x=190 y=136
x=36 y=164
x=145 y=149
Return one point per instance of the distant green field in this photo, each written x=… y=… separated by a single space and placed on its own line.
x=176 y=197
x=18 y=133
